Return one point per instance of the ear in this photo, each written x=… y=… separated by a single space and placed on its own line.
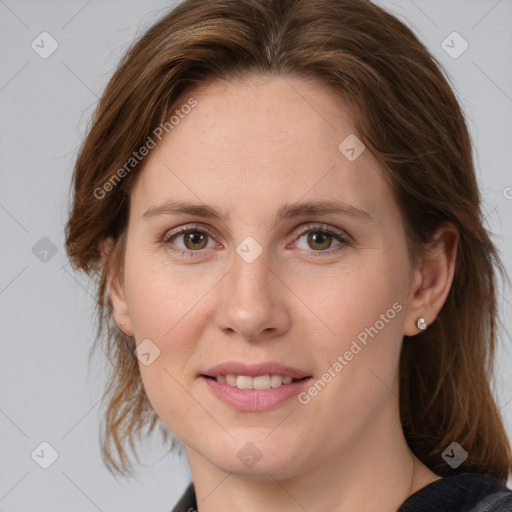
x=432 y=281
x=115 y=289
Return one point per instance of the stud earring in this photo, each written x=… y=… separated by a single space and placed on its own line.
x=421 y=324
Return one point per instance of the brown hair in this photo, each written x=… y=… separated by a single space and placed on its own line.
x=407 y=115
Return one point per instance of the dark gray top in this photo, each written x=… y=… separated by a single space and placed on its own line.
x=465 y=492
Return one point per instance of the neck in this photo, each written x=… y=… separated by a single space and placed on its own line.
x=377 y=472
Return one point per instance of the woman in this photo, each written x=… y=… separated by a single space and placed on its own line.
x=280 y=202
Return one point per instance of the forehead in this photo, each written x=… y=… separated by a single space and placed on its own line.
x=260 y=140
x=283 y=115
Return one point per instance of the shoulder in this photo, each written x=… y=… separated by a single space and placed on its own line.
x=464 y=492
x=496 y=502
x=187 y=502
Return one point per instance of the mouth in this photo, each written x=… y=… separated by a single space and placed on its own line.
x=255 y=387
x=260 y=382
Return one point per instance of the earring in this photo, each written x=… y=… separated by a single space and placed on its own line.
x=421 y=324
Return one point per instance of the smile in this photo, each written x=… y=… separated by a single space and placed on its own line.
x=259 y=382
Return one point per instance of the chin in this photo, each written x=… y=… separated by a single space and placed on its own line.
x=263 y=470
x=263 y=460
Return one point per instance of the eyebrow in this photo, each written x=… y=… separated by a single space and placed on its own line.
x=287 y=211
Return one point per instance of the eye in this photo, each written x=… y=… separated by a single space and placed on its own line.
x=188 y=239
x=321 y=238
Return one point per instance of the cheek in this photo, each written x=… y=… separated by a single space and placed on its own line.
x=357 y=365
x=352 y=300
x=160 y=296
x=363 y=309
x=167 y=308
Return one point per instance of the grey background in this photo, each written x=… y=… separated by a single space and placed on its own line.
x=46 y=328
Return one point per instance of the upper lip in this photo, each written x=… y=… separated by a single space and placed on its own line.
x=254 y=370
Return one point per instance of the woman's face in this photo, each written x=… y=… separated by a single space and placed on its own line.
x=295 y=265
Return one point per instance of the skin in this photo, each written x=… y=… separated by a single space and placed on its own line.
x=249 y=147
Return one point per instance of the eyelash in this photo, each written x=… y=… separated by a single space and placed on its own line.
x=311 y=228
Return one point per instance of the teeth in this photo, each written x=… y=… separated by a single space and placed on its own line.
x=244 y=382
x=260 y=382
x=276 y=381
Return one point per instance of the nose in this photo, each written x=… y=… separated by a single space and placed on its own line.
x=253 y=301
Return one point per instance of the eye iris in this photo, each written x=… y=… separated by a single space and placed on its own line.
x=196 y=238
x=320 y=238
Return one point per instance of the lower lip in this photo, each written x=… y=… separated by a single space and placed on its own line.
x=255 y=399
